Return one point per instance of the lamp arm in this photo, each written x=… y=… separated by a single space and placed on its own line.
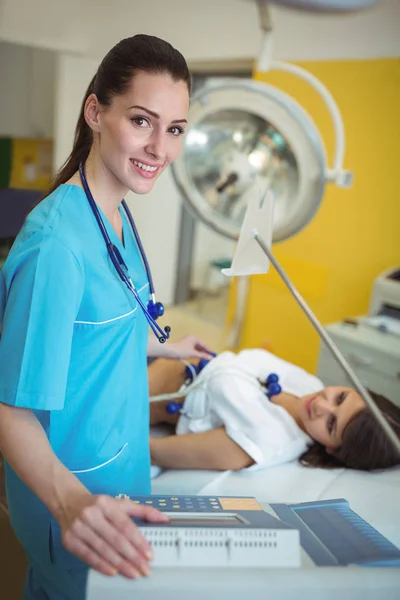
x=336 y=174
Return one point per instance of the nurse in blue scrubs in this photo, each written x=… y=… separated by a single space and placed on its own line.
x=74 y=409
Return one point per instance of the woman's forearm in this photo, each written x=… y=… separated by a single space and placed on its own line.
x=25 y=446
x=166 y=350
x=213 y=450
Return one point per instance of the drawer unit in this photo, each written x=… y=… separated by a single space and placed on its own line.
x=373 y=355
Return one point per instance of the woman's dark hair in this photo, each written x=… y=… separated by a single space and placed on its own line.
x=140 y=53
x=365 y=445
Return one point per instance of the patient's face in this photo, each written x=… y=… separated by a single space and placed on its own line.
x=325 y=415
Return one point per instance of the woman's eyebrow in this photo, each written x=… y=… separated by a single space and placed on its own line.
x=155 y=115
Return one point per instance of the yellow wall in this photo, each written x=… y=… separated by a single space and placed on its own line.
x=31 y=161
x=356 y=233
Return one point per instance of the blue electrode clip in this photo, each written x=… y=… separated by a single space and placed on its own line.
x=191 y=371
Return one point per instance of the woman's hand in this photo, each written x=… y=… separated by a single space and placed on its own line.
x=100 y=531
x=189 y=347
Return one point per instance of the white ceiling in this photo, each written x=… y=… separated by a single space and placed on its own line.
x=207 y=30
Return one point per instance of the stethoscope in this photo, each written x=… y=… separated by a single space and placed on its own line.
x=154 y=309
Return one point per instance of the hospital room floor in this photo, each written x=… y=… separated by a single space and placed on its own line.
x=206 y=320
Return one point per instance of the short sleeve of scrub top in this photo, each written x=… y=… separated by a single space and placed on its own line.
x=44 y=295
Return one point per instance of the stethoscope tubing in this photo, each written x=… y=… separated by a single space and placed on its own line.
x=119 y=263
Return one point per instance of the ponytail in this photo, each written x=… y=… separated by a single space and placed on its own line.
x=80 y=151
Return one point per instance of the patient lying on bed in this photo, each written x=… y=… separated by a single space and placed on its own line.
x=228 y=423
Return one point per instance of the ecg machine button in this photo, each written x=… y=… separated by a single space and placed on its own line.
x=174 y=498
x=176 y=506
x=149 y=502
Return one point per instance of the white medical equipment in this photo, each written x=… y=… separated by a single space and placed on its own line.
x=385 y=298
x=384 y=309
x=325 y=530
x=234 y=531
x=372 y=351
x=370 y=343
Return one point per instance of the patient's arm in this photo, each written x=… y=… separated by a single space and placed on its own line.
x=165 y=376
x=212 y=449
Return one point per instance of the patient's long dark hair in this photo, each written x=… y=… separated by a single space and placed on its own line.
x=364 y=443
x=140 y=53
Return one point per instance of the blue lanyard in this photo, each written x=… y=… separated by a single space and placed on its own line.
x=154 y=309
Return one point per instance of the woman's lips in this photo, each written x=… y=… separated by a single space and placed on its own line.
x=308 y=405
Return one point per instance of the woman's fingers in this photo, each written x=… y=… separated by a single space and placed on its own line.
x=112 y=548
x=200 y=346
x=145 y=513
x=118 y=513
x=104 y=535
x=75 y=545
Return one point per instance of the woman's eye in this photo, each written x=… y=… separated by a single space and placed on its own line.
x=141 y=121
x=331 y=421
x=340 y=398
x=177 y=131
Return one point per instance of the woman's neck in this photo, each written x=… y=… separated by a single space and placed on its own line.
x=105 y=187
x=290 y=403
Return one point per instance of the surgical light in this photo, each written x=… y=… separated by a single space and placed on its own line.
x=245 y=134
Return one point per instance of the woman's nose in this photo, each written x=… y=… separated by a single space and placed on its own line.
x=322 y=407
x=157 y=148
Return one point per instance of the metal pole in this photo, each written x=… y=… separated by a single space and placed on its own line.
x=332 y=347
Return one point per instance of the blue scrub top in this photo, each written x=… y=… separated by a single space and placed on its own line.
x=73 y=349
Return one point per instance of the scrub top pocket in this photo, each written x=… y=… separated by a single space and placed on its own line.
x=113 y=473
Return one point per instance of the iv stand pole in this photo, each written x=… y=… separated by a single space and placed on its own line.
x=331 y=345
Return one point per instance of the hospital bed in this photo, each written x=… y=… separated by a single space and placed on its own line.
x=374 y=496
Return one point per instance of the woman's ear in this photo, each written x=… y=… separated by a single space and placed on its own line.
x=330 y=450
x=92 y=112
